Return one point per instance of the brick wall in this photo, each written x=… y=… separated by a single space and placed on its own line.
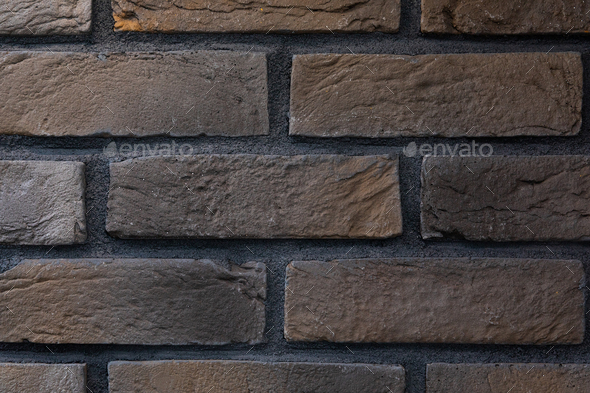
x=245 y=203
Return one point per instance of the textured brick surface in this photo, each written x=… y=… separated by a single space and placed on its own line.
x=45 y=17
x=250 y=196
x=42 y=378
x=506 y=198
x=478 y=301
x=133 y=94
x=505 y=17
x=502 y=378
x=226 y=16
x=464 y=95
x=132 y=301
x=42 y=202
x=244 y=377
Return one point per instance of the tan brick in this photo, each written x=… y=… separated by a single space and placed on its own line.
x=251 y=196
x=502 y=378
x=133 y=94
x=451 y=95
x=132 y=301
x=42 y=202
x=505 y=17
x=45 y=17
x=467 y=301
x=42 y=378
x=271 y=16
x=506 y=198
x=188 y=376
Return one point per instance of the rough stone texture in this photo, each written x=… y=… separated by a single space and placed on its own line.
x=506 y=198
x=502 y=378
x=133 y=94
x=276 y=16
x=454 y=95
x=42 y=378
x=505 y=17
x=132 y=301
x=251 y=196
x=42 y=202
x=45 y=17
x=244 y=377
x=476 y=301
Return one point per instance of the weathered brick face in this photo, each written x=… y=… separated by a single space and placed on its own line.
x=495 y=17
x=257 y=17
x=458 y=95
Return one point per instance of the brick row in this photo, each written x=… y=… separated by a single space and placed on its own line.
x=133 y=94
x=185 y=301
x=250 y=196
x=464 y=95
x=235 y=376
x=475 y=301
x=42 y=202
x=132 y=301
x=506 y=198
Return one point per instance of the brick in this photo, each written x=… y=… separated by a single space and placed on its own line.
x=188 y=376
x=42 y=378
x=133 y=94
x=505 y=17
x=452 y=95
x=132 y=301
x=42 y=202
x=45 y=17
x=252 y=196
x=506 y=198
x=513 y=378
x=257 y=17
x=463 y=301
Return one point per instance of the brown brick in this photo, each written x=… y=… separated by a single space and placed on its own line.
x=257 y=17
x=188 y=376
x=42 y=378
x=133 y=94
x=502 y=378
x=506 y=198
x=132 y=301
x=42 y=202
x=475 y=301
x=45 y=17
x=453 y=95
x=505 y=17
x=251 y=196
